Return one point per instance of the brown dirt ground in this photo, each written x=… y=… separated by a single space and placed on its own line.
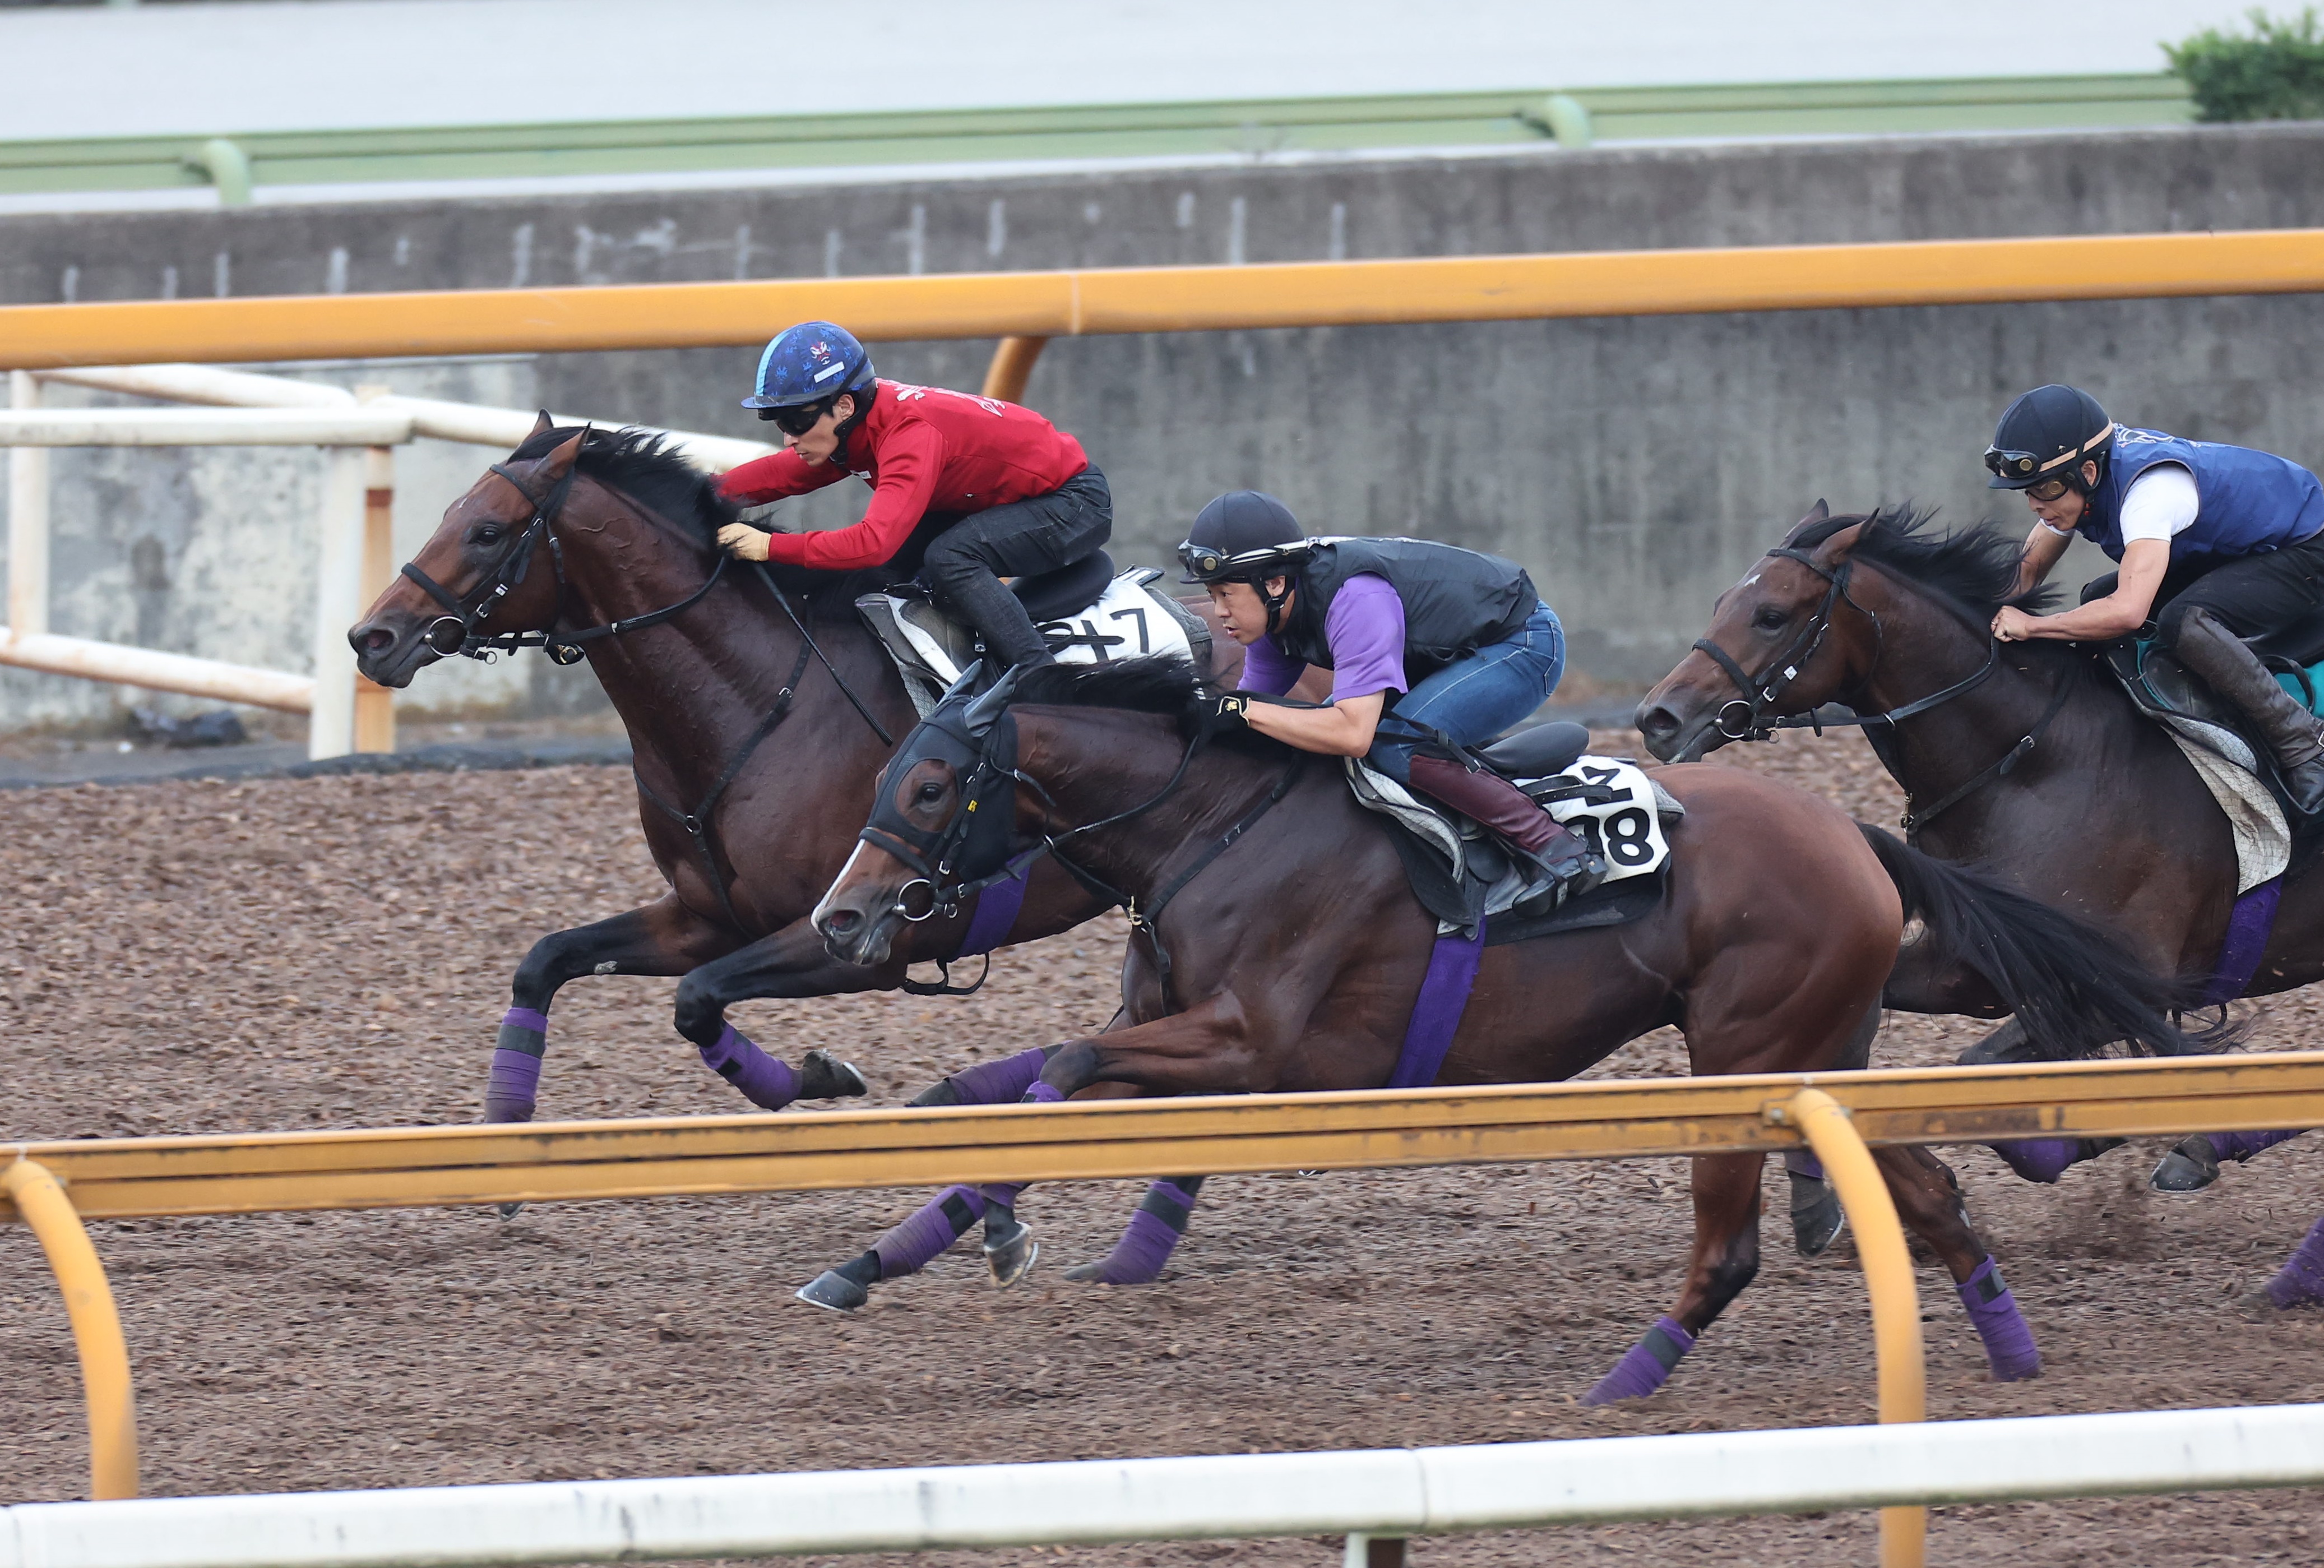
x=202 y=957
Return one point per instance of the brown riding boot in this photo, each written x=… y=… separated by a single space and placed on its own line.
x=1496 y=803
x=2234 y=671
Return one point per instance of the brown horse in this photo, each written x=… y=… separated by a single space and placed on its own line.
x=759 y=706
x=1282 y=949
x=2026 y=757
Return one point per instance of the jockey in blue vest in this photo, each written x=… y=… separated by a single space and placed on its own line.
x=2228 y=541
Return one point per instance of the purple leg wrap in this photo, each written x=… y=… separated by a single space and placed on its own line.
x=763 y=1081
x=515 y=1081
x=1802 y=1162
x=1001 y=1194
x=1152 y=1233
x=2039 y=1160
x=2301 y=1281
x=1646 y=1366
x=2242 y=1145
x=940 y=1221
x=1040 y=1093
x=1000 y=1082
x=2008 y=1343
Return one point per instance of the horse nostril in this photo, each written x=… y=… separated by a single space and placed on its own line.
x=1655 y=721
x=840 y=922
x=378 y=640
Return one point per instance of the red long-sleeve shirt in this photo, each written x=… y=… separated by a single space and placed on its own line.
x=922 y=449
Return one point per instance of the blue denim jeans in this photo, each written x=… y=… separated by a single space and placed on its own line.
x=1475 y=698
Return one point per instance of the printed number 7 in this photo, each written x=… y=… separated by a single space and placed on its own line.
x=1145 y=645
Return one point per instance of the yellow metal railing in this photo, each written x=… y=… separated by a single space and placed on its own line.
x=1837 y=1115
x=1041 y=305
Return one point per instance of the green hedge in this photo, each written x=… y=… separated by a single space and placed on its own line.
x=2276 y=74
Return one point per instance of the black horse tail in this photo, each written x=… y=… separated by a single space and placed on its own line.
x=2075 y=987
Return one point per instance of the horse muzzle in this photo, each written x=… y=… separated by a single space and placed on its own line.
x=1683 y=726
x=388 y=656
x=859 y=923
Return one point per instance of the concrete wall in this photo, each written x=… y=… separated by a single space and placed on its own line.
x=1635 y=465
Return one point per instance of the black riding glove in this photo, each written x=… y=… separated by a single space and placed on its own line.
x=1229 y=711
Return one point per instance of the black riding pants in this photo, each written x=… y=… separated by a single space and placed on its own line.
x=965 y=563
x=2273 y=601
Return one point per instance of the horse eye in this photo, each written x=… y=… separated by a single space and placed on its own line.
x=931 y=792
x=1769 y=619
x=488 y=534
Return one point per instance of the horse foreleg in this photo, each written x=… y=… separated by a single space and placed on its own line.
x=1152 y=1235
x=1929 y=1201
x=792 y=963
x=1725 y=1259
x=664 y=937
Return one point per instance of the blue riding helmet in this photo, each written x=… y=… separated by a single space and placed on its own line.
x=808 y=363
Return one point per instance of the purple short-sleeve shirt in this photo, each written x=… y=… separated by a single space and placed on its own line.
x=1364 y=629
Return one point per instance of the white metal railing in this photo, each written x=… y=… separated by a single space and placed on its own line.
x=358 y=433
x=1382 y=1494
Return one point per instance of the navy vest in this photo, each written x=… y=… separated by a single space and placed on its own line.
x=1456 y=601
x=2247 y=503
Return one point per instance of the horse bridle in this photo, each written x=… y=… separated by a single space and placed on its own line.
x=457 y=632
x=975 y=850
x=1760 y=691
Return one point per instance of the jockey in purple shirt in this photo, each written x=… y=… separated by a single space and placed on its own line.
x=1424 y=640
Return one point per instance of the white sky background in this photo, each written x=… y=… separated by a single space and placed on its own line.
x=281 y=65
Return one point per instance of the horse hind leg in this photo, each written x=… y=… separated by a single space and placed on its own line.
x=1929 y=1201
x=1153 y=1233
x=2195 y=1164
x=906 y=1248
x=1725 y=1259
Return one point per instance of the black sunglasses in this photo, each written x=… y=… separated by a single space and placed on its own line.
x=799 y=417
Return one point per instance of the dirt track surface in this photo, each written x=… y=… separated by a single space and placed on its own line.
x=203 y=957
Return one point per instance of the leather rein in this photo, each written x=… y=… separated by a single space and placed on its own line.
x=1744 y=718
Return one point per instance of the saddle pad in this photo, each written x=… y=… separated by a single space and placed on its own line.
x=2197 y=723
x=1131 y=619
x=1459 y=873
x=2263 y=837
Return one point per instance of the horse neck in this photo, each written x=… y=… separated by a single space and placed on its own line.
x=1925 y=647
x=690 y=689
x=1094 y=762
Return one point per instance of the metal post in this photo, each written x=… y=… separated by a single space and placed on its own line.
x=1887 y=1279
x=1013 y=365
x=95 y=1325
x=338 y=602
x=28 y=521
x=375 y=704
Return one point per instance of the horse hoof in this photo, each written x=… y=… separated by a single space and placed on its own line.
x=1009 y=1254
x=1817 y=1222
x=509 y=1211
x=823 y=1077
x=2187 y=1169
x=833 y=1291
x=1088 y=1273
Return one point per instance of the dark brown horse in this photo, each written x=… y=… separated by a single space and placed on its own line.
x=2035 y=765
x=1288 y=950
x=760 y=709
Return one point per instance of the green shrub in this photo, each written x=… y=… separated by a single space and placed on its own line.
x=2276 y=74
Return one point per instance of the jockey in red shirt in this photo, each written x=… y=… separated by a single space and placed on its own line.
x=964 y=489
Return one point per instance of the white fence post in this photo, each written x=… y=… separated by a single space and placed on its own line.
x=375 y=704
x=338 y=600
x=28 y=522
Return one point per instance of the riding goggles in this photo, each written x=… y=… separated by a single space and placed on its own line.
x=1207 y=564
x=2051 y=489
x=798 y=418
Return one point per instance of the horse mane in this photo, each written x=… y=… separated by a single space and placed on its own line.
x=1975 y=569
x=647 y=469
x=1156 y=683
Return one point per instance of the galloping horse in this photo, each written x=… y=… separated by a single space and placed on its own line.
x=2024 y=757
x=1282 y=949
x=758 y=704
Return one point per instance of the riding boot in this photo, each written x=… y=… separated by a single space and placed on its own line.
x=1495 y=803
x=999 y=616
x=2235 y=672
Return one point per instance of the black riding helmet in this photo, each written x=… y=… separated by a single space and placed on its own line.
x=2047 y=434
x=1245 y=536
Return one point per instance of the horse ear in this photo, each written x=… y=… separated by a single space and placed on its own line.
x=986 y=710
x=1819 y=512
x=543 y=423
x=1840 y=545
x=561 y=457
